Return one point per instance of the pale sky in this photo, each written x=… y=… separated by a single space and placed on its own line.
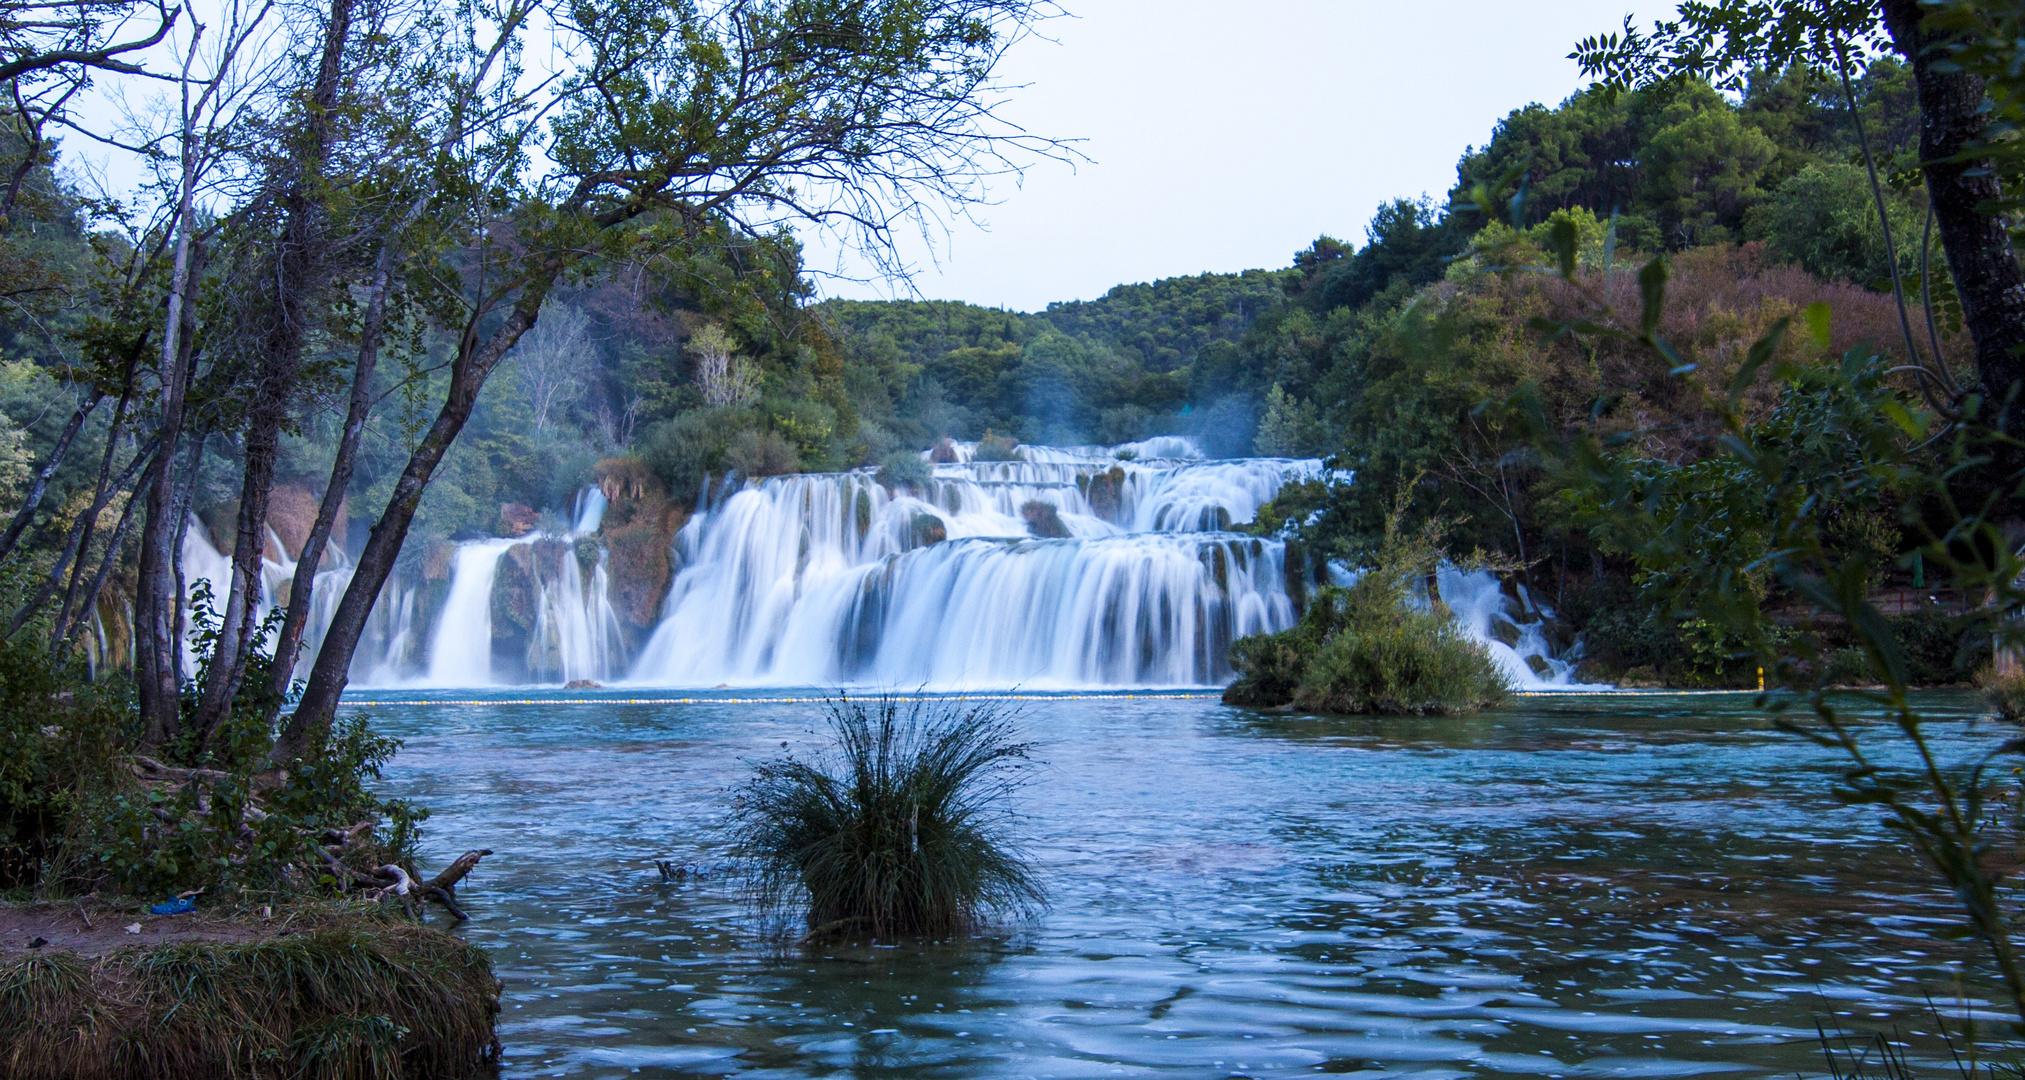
x=1225 y=136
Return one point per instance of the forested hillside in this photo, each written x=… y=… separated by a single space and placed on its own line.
x=1380 y=355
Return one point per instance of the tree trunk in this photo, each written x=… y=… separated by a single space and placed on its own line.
x=158 y=598
x=34 y=500
x=302 y=592
x=1977 y=244
x=297 y=260
x=475 y=360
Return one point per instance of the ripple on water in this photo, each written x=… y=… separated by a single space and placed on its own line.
x=1650 y=887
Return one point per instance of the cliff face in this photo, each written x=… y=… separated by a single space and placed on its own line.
x=639 y=526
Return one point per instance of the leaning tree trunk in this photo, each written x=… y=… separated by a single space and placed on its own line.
x=476 y=357
x=297 y=259
x=1976 y=242
x=34 y=499
x=302 y=592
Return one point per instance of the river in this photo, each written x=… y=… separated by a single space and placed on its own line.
x=1627 y=885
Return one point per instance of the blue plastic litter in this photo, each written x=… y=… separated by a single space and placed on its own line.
x=175 y=907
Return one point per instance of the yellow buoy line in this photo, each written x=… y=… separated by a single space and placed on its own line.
x=785 y=700
x=1570 y=692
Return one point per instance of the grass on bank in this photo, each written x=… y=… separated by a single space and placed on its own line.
x=351 y=996
x=900 y=828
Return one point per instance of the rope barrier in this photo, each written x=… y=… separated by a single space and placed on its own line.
x=1570 y=692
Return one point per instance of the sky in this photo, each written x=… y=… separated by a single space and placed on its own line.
x=1224 y=136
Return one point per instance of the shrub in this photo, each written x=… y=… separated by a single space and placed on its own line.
x=995 y=447
x=899 y=829
x=1369 y=649
x=756 y=455
x=2004 y=688
x=1394 y=660
x=903 y=469
x=1043 y=520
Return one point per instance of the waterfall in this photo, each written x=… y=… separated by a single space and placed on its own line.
x=576 y=632
x=1512 y=630
x=831 y=578
x=460 y=651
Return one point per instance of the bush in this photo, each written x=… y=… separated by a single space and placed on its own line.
x=1369 y=649
x=903 y=469
x=2004 y=688
x=59 y=736
x=1043 y=520
x=756 y=455
x=900 y=829
x=682 y=450
x=996 y=447
x=1394 y=660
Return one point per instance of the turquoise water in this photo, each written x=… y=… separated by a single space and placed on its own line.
x=1645 y=886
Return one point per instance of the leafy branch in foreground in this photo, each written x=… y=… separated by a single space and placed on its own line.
x=1757 y=520
x=901 y=828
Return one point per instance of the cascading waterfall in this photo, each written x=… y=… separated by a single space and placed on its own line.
x=1073 y=567
x=832 y=578
x=460 y=651
x=1512 y=629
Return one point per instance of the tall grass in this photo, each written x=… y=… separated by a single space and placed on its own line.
x=900 y=828
x=341 y=1002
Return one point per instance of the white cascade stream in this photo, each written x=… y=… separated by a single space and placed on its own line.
x=834 y=579
x=822 y=579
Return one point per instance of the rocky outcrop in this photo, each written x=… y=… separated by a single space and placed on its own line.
x=1044 y=521
x=516 y=520
x=639 y=526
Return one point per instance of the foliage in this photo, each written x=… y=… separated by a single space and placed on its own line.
x=996 y=447
x=353 y=998
x=2004 y=688
x=59 y=738
x=903 y=469
x=1373 y=647
x=901 y=828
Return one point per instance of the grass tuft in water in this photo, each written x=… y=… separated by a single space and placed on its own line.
x=900 y=828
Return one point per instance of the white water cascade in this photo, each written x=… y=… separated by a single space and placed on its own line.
x=1513 y=630
x=460 y=652
x=1075 y=567
x=834 y=579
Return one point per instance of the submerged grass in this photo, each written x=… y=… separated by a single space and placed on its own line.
x=333 y=1003
x=900 y=829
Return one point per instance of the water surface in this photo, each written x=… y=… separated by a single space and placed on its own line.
x=1644 y=886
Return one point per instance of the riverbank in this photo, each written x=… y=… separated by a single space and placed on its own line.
x=105 y=991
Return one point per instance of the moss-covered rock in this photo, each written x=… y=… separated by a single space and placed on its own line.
x=1043 y=520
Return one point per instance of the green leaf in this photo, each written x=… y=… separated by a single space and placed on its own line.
x=1817 y=316
x=1652 y=292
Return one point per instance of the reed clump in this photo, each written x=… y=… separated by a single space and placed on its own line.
x=353 y=999
x=900 y=828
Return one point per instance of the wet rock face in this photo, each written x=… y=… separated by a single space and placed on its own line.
x=516 y=520
x=639 y=526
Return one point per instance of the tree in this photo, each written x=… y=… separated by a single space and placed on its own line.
x=679 y=128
